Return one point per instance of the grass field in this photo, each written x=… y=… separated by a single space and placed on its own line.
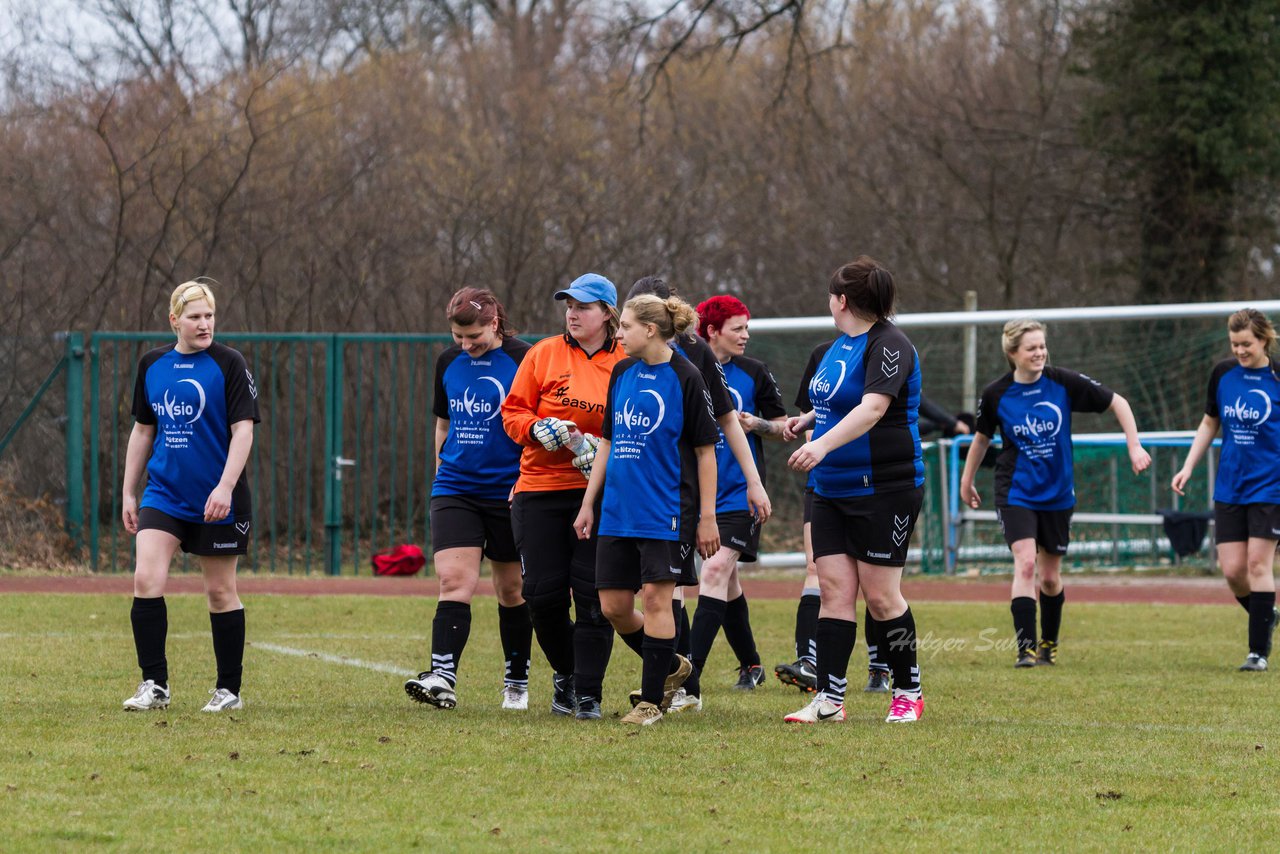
x=1143 y=737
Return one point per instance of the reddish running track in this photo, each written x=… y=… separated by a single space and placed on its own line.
x=1117 y=589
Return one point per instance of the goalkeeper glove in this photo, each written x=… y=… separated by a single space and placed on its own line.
x=586 y=454
x=552 y=433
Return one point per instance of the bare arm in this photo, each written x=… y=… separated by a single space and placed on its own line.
x=860 y=419
x=141 y=441
x=442 y=433
x=978 y=450
x=764 y=428
x=757 y=498
x=708 y=530
x=1139 y=459
x=1204 y=438
x=587 y=512
x=218 y=504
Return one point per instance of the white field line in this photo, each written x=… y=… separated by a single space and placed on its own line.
x=379 y=667
x=344 y=636
x=334 y=659
x=94 y=635
x=189 y=635
x=1204 y=729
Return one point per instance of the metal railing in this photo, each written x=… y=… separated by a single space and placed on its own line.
x=956 y=517
x=341 y=465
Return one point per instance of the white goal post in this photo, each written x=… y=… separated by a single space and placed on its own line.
x=969 y=321
x=966 y=324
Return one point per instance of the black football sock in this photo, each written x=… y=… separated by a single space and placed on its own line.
x=807 y=626
x=737 y=631
x=150 y=619
x=1023 y=609
x=634 y=641
x=693 y=685
x=658 y=653
x=1051 y=614
x=449 y=632
x=836 y=639
x=592 y=646
x=516 y=631
x=228 y=648
x=1244 y=602
x=681 y=615
x=707 y=621
x=871 y=631
x=1261 y=611
x=898 y=642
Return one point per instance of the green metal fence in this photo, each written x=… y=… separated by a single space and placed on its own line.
x=341 y=464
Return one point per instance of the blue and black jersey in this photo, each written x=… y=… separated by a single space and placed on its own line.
x=888 y=457
x=1247 y=401
x=654 y=418
x=702 y=357
x=754 y=391
x=477 y=458
x=1034 y=468
x=802 y=393
x=193 y=399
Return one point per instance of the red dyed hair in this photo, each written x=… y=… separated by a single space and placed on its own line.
x=717 y=311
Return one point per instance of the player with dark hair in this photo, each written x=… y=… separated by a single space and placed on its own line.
x=723 y=323
x=555 y=409
x=195 y=404
x=737 y=618
x=657 y=473
x=1035 y=483
x=802 y=672
x=1244 y=400
x=868 y=487
x=476 y=465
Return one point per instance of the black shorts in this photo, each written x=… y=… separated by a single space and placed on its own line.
x=200 y=538
x=1237 y=523
x=553 y=560
x=1051 y=529
x=808 y=505
x=875 y=529
x=739 y=530
x=460 y=521
x=626 y=563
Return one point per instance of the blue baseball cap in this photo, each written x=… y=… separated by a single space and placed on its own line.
x=591 y=287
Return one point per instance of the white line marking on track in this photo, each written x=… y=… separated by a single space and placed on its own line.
x=333 y=659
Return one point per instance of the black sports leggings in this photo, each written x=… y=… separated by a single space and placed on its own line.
x=557 y=567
